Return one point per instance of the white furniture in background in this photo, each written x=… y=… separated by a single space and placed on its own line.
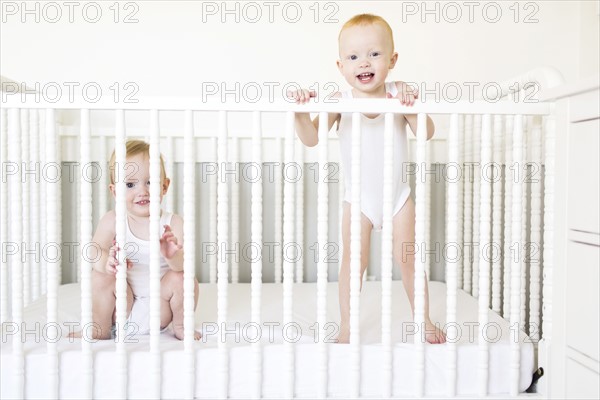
x=574 y=353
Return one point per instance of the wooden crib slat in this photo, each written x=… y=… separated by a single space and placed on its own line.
x=235 y=210
x=299 y=222
x=523 y=247
x=476 y=249
x=387 y=257
x=467 y=174
x=121 y=276
x=453 y=257
x=34 y=187
x=278 y=233
x=104 y=181
x=548 y=251
x=16 y=275
x=4 y=313
x=484 y=253
x=516 y=268
x=508 y=188
x=420 y=221
x=189 y=254
x=26 y=259
x=222 y=265
x=169 y=161
x=86 y=231
x=154 y=238
x=496 y=178
x=257 y=244
x=460 y=199
x=212 y=213
x=322 y=238
x=535 y=242
x=53 y=219
x=355 y=257
x=288 y=264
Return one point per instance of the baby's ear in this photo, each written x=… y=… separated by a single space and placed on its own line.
x=166 y=183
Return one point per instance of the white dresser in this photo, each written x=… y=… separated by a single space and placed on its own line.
x=572 y=369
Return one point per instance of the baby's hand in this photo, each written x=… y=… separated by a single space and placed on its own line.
x=301 y=96
x=113 y=261
x=406 y=94
x=168 y=244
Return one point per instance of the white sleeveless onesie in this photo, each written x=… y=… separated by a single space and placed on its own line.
x=138 y=276
x=371 y=163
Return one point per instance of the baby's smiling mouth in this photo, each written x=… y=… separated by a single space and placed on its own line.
x=142 y=202
x=365 y=77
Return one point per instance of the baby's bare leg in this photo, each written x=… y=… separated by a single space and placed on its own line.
x=104 y=305
x=344 y=276
x=404 y=240
x=171 y=305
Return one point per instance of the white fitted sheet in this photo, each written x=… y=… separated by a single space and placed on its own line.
x=241 y=353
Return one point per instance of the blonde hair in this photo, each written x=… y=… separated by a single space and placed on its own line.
x=132 y=148
x=368 y=19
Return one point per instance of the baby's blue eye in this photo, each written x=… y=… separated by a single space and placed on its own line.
x=130 y=185
x=375 y=54
x=353 y=57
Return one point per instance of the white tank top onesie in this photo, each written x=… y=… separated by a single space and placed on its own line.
x=138 y=276
x=371 y=161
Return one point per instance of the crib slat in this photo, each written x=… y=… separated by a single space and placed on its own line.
x=484 y=254
x=189 y=254
x=26 y=242
x=468 y=171
x=497 y=214
x=235 y=211
x=16 y=235
x=104 y=182
x=476 y=250
x=508 y=188
x=43 y=219
x=453 y=256
x=85 y=219
x=536 y=236
x=278 y=209
x=387 y=258
x=548 y=251
x=169 y=161
x=420 y=221
x=355 y=255
x=121 y=276
x=257 y=244
x=516 y=270
x=524 y=247
x=288 y=264
x=34 y=186
x=4 y=316
x=212 y=214
x=322 y=238
x=222 y=266
x=154 y=238
x=299 y=238
x=460 y=199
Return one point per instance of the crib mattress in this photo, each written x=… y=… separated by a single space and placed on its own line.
x=272 y=337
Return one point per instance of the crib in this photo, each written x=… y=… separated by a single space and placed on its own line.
x=267 y=332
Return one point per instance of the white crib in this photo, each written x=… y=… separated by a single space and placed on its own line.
x=495 y=306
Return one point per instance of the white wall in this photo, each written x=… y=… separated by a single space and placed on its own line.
x=171 y=51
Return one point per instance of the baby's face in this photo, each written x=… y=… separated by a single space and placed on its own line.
x=137 y=185
x=366 y=57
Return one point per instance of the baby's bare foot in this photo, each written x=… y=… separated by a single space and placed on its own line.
x=179 y=334
x=433 y=334
x=96 y=335
x=344 y=335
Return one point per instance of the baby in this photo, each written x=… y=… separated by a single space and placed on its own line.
x=137 y=246
x=366 y=50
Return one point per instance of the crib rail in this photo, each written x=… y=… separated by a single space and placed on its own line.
x=483 y=122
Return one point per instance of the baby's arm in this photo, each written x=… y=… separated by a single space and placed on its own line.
x=307 y=130
x=104 y=239
x=171 y=243
x=407 y=96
